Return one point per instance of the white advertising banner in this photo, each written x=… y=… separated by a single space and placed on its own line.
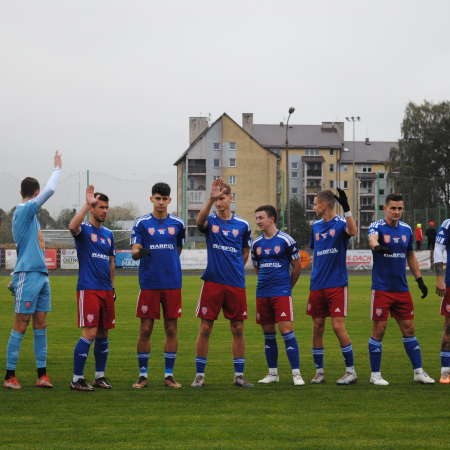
x=359 y=259
x=10 y=259
x=69 y=259
x=193 y=259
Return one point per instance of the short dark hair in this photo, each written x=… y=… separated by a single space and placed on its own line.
x=270 y=210
x=161 y=188
x=101 y=197
x=326 y=197
x=29 y=186
x=393 y=198
x=226 y=187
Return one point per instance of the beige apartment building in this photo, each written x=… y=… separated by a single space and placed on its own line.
x=252 y=159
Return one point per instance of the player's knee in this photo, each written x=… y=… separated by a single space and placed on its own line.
x=237 y=329
x=89 y=333
x=102 y=334
x=205 y=330
x=318 y=328
x=339 y=329
x=171 y=331
x=447 y=329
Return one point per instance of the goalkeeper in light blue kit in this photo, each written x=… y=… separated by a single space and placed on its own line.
x=30 y=279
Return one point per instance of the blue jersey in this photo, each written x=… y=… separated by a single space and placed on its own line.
x=389 y=271
x=162 y=237
x=225 y=240
x=94 y=247
x=273 y=257
x=28 y=238
x=329 y=240
x=443 y=237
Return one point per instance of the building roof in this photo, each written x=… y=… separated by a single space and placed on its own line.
x=300 y=136
x=200 y=136
x=375 y=153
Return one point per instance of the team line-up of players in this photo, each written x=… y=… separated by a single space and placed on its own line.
x=157 y=240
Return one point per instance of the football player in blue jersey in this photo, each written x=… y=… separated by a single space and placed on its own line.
x=30 y=279
x=329 y=280
x=272 y=254
x=157 y=240
x=392 y=242
x=443 y=290
x=228 y=240
x=95 y=288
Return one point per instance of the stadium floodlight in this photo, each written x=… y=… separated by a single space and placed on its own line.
x=353 y=174
x=288 y=199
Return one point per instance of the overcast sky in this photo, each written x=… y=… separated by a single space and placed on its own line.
x=111 y=84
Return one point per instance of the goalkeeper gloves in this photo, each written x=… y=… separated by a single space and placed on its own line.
x=342 y=200
x=143 y=252
x=422 y=287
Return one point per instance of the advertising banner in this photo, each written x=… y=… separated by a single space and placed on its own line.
x=10 y=259
x=125 y=261
x=359 y=259
x=50 y=258
x=69 y=259
x=193 y=259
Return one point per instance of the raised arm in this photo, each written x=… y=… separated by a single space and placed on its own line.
x=52 y=183
x=75 y=223
x=202 y=219
x=343 y=201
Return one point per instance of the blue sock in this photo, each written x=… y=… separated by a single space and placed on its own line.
x=375 y=354
x=239 y=364
x=445 y=359
x=271 y=349
x=169 y=362
x=143 y=363
x=80 y=355
x=318 y=357
x=292 y=350
x=347 y=353
x=200 y=364
x=13 y=350
x=100 y=354
x=40 y=348
x=412 y=348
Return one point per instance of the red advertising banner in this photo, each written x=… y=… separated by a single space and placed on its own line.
x=50 y=258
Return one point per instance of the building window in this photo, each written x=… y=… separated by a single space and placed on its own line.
x=215 y=177
x=331 y=184
x=294 y=190
x=277 y=151
x=233 y=200
x=232 y=179
x=294 y=165
x=331 y=168
x=217 y=163
x=312 y=152
x=196 y=197
x=192 y=182
x=232 y=162
x=381 y=191
x=294 y=175
x=345 y=184
x=345 y=168
x=381 y=175
x=366 y=185
x=331 y=151
x=366 y=168
x=216 y=145
x=192 y=214
x=232 y=145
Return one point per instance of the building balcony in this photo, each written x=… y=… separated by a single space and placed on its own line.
x=366 y=191
x=313 y=189
x=313 y=173
x=197 y=170
x=367 y=207
x=192 y=222
x=310 y=206
x=198 y=188
x=365 y=223
x=278 y=206
x=278 y=173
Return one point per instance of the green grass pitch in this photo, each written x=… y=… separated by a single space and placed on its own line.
x=221 y=416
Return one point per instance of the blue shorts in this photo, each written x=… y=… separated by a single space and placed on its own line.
x=32 y=290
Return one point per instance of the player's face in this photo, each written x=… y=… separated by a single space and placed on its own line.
x=319 y=207
x=160 y=202
x=394 y=210
x=100 y=210
x=223 y=202
x=263 y=221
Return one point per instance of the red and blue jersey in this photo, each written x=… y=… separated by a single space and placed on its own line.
x=389 y=271
x=443 y=237
x=329 y=240
x=273 y=257
x=94 y=248
x=225 y=240
x=162 y=237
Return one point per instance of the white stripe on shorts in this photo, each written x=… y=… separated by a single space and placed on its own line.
x=80 y=308
x=291 y=307
x=371 y=304
x=199 y=299
x=345 y=300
